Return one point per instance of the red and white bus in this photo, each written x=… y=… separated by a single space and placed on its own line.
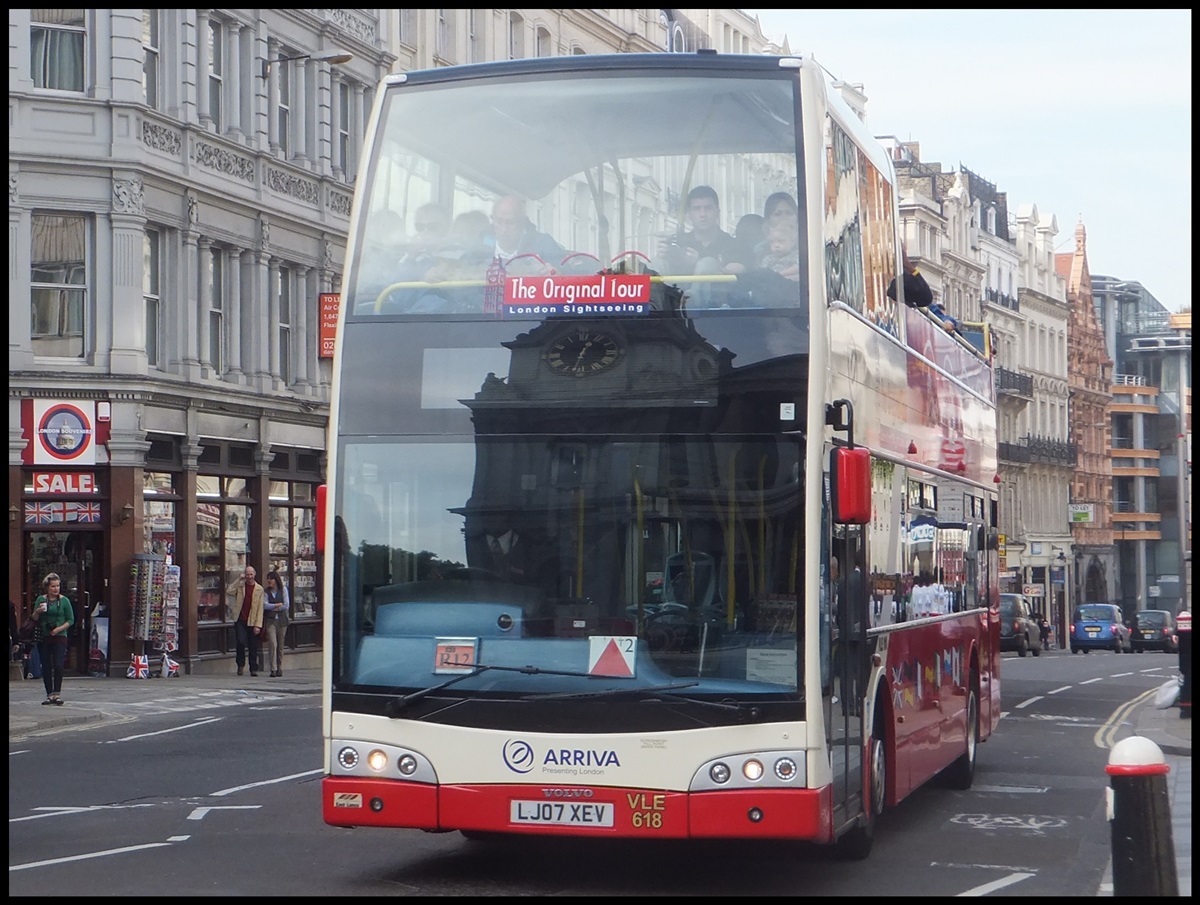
x=585 y=495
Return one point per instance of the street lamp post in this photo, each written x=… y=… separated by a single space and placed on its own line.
x=322 y=56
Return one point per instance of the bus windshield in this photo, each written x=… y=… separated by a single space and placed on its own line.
x=577 y=176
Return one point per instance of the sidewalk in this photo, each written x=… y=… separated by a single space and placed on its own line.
x=85 y=699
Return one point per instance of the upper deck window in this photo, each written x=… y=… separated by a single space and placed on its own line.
x=597 y=168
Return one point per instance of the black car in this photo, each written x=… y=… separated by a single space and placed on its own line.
x=1155 y=630
x=1019 y=629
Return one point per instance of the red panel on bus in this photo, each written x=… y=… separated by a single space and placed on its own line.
x=785 y=814
x=378 y=802
x=320 y=518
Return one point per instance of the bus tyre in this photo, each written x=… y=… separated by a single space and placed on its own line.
x=961 y=773
x=855 y=845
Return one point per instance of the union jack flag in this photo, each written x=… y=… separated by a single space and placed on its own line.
x=43 y=513
x=85 y=512
x=139 y=667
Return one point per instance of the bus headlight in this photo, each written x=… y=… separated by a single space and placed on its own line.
x=348 y=758
x=785 y=769
x=752 y=770
x=720 y=773
x=377 y=760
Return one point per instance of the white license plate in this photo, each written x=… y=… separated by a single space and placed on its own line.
x=1092 y=629
x=562 y=813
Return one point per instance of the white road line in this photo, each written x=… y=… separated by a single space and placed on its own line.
x=1030 y=701
x=59 y=812
x=1120 y=675
x=1090 y=681
x=178 y=838
x=68 y=860
x=995 y=884
x=130 y=738
x=266 y=782
x=1064 y=688
x=201 y=813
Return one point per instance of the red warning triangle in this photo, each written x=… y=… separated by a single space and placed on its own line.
x=612 y=663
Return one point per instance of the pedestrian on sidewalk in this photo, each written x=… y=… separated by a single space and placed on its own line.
x=275 y=609
x=248 y=606
x=54 y=616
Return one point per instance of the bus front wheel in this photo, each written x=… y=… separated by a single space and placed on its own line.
x=856 y=844
x=961 y=773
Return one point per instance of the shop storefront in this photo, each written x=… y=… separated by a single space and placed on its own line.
x=210 y=507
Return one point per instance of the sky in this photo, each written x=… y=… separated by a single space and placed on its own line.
x=1084 y=113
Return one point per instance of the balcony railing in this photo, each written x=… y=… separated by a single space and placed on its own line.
x=995 y=297
x=1052 y=452
x=1014 y=383
x=1014 y=452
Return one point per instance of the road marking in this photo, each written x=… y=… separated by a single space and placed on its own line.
x=1032 y=700
x=1064 y=688
x=1022 y=790
x=178 y=838
x=68 y=860
x=1120 y=675
x=267 y=782
x=1106 y=735
x=130 y=738
x=201 y=813
x=1090 y=681
x=987 y=888
x=1012 y=868
x=59 y=812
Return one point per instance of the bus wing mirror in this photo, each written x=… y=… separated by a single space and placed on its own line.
x=850 y=485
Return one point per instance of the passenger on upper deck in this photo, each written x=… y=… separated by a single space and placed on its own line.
x=707 y=248
x=917 y=293
x=783 y=248
x=780 y=209
x=516 y=235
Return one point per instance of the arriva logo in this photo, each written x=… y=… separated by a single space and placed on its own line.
x=518 y=755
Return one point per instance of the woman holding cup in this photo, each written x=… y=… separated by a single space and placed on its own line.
x=54 y=617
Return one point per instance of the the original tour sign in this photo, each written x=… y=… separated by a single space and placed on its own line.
x=598 y=294
x=64 y=433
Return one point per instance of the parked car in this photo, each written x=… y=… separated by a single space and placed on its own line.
x=1155 y=630
x=1019 y=628
x=1099 y=626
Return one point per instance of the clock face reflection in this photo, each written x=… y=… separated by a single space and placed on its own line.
x=583 y=352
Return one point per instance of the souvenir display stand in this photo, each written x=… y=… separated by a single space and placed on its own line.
x=151 y=621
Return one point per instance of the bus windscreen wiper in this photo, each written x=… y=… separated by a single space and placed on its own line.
x=396 y=705
x=657 y=692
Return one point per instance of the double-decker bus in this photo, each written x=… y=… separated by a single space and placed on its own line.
x=625 y=542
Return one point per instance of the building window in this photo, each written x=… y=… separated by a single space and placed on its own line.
x=408 y=27
x=150 y=57
x=222 y=542
x=152 y=301
x=57 y=38
x=159 y=499
x=284 y=111
x=544 y=46
x=444 y=38
x=216 y=313
x=292 y=539
x=343 y=131
x=59 y=284
x=516 y=36
x=284 y=295
x=474 y=35
x=216 y=71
